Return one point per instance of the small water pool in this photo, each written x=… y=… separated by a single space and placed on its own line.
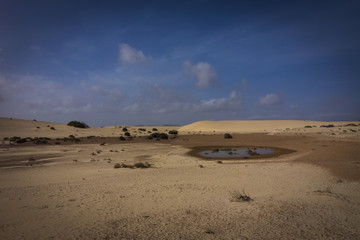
x=235 y=152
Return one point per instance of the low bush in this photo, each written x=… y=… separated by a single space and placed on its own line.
x=240 y=197
x=163 y=136
x=41 y=140
x=124 y=129
x=21 y=140
x=227 y=136
x=77 y=124
x=351 y=125
x=127 y=134
x=136 y=165
x=327 y=126
x=154 y=129
x=173 y=132
x=122 y=138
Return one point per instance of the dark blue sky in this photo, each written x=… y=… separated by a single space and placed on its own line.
x=167 y=62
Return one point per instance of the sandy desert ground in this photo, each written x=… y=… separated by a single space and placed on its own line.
x=65 y=189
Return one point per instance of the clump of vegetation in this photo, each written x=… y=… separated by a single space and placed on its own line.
x=41 y=140
x=328 y=126
x=52 y=128
x=142 y=129
x=127 y=134
x=21 y=140
x=13 y=139
x=351 y=125
x=159 y=136
x=219 y=161
x=77 y=124
x=136 y=165
x=124 y=129
x=142 y=165
x=240 y=197
x=154 y=129
x=71 y=138
x=173 y=132
x=308 y=126
x=227 y=136
x=122 y=138
x=208 y=231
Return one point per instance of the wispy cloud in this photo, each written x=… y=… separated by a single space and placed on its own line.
x=154 y=98
x=130 y=55
x=113 y=94
x=233 y=102
x=37 y=95
x=204 y=73
x=270 y=99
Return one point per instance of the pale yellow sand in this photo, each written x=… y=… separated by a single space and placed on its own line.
x=26 y=128
x=79 y=195
x=265 y=126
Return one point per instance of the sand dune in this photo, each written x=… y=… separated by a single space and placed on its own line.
x=257 y=126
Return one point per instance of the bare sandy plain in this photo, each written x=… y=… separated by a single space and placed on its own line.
x=64 y=189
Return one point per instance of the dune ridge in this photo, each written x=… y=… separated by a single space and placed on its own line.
x=251 y=126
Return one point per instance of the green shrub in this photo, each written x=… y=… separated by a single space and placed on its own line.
x=21 y=140
x=240 y=197
x=154 y=129
x=351 y=125
x=173 y=132
x=15 y=138
x=163 y=136
x=159 y=136
x=124 y=129
x=155 y=135
x=227 y=136
x=327 y=126
x=136 y=165
x=127 y=134
x=77 y=124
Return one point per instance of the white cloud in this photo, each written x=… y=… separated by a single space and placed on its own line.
x=233 y=102
x=270 y=99
x=156 y=99
x=108 y=94
x=131 y=55
x=30 y=95
x=205 y=74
